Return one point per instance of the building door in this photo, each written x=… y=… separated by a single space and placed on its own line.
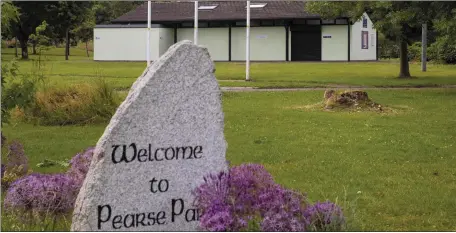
x=306 y=43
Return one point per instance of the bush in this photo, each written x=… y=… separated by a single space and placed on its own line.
x=324 y=216
x=80 y=165
x=387 y=48
x=42 y=194
x=78 y=104
x=414 y=52
x=443 y=50
x=47 y=196
x=17 y=90
x=247 y=199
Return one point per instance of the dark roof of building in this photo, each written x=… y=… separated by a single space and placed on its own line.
x=226 y=10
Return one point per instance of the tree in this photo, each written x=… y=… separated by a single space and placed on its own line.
x=10 y=15
x=445 y=22
x=100 y=12
x=31 y=16
x=105 y=11
x=39 y=38
x=68 y=16
x=84 y=31
x=397 y=20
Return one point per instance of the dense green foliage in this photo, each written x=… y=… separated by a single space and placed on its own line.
x=17 y=90
x=444 y=50
x=10 y=14
x=399 y=22
x=66 y=20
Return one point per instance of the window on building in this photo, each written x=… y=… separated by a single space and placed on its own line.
x=341 y=21
x=257 y=5
x=253 y=23
x=203 y=24
x=372 y=40
x=187 y=25
x=267 y=23
x=279 y=22
x=364 y=40
x=327 y=21
x=300 y=21
x=217 y=24
x=364 y=22
x=207 y=7
x=241 y=23
x=313 y=22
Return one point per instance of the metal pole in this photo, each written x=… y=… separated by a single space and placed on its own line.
x=195 y=31
x=423 y=47
x=247 y=45
x=148 y=32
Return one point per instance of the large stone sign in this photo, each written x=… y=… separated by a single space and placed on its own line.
x=163 y=139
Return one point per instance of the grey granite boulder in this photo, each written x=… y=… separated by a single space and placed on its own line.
x=163 y=139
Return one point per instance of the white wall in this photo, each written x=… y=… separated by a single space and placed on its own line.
x=356 y=53
x=124 y=44
x=166 y=39
x=336 y=47
x=266 y=43
x=214 y=39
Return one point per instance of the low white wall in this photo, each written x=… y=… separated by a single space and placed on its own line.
x=266 y=43
x=124 y=44
x=334 y=48
x=166 y=39
x=214 y=39
x=356 y=51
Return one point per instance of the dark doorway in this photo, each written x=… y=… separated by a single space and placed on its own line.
x=306 y=43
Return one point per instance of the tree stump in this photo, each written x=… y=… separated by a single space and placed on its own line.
x=349 y=99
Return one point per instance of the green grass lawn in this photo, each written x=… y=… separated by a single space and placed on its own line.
x=80 y=68
x=395 y=171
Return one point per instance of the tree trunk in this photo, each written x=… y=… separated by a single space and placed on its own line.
x=67 y=45
x=24 y=48
x=34 y=48
x=404 y=64
x=87 y=49
x=15 y=45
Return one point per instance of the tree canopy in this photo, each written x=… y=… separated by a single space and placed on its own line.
x=10 y=15
x=396 y=20
x=65 y=19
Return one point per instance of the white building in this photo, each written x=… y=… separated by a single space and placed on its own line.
x=280 y=31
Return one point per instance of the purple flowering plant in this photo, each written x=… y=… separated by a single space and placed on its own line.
x=324 y=216
x=246 y=198
x=49 y=193
x=79 y=165
x=42 y=193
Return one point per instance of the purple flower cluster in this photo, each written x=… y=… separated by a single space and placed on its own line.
x=80 y=164
x=50 y=193
x=324 y=216
x=283 y=210
x=247 y=193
